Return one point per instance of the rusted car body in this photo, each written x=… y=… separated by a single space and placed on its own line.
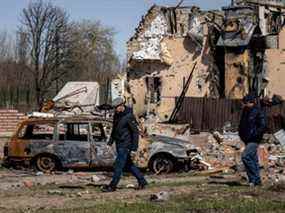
x=79 y=142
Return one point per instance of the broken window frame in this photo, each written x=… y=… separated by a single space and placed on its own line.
x=154 y=91
x=103 y=137
x=31 y=127
x=78 y=131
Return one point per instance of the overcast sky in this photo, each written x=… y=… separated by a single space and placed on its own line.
x=123 y=15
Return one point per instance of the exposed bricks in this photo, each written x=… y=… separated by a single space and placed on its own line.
x=6 y=111
x=9 y=119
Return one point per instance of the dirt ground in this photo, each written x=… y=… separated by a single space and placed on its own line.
x=28 y=191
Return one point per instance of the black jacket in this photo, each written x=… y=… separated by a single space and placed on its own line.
x=252 y=125
x=125 y=131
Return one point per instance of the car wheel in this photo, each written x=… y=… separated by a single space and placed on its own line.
x=162 y=164
x=46 y=163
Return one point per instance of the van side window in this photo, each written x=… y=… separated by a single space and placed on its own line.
x=37 y=132
x=73 y=131
x=97 y=132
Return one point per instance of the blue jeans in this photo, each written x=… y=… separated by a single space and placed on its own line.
x=250 y=161
x=124 y=161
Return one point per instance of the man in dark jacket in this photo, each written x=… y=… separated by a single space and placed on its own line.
x=125 y=134
x=251 y=129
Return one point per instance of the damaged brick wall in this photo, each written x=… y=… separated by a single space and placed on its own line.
x=173 y=78
x=146 y=40
x=9 y=120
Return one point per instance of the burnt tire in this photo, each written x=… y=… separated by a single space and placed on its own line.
x=162 y=164
x=46 y=163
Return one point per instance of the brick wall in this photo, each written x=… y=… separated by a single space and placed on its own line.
x=9 y=118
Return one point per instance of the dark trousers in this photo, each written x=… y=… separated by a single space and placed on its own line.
x=250 y=161
x=124 y=161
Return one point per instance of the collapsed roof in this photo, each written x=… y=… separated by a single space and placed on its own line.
x=160 y=22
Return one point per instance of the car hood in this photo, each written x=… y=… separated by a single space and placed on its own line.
x=172 y=141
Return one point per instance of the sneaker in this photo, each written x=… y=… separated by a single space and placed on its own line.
x=251 y=185
x=108 y=188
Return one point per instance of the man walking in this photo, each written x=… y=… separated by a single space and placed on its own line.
x=125 y=134
x=251 y=129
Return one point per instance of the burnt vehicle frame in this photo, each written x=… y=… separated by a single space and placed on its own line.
x=81 y=143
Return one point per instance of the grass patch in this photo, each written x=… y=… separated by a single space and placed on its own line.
x=173 y=184
x=183 y=203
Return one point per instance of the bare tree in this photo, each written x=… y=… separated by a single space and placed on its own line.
x=6 y=46
x=46 y=36
x=48 y=51
x=95 y=51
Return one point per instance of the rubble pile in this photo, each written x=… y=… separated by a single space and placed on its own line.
x=219 y=151
x=224 y=151
x=276 y=157
x=175 y=131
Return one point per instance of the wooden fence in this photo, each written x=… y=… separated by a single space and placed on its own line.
x=206 y=114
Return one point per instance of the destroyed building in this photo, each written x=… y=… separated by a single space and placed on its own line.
x=163 y=51
x=253 y=39
x=231 y=52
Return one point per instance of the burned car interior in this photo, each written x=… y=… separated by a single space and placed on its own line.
x=37 y=132
x=73 y=132
x=67 y=131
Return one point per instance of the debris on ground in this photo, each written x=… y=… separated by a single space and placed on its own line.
x=95 y=179
x=218 y=136
x=280 y=137
x=154 y=127
x=39 y=173
x=222 y=153
x=70 y=171
x=73 y=186
x=80 y=194
x=222 y=150
x=130 y=186
x=55 y=192
x=28 y=183
x=226 y=180
x=160 y=197
x=278 y=186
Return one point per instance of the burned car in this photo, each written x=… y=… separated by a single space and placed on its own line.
x=79 y=142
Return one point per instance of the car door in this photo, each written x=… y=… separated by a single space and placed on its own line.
x=75 y=149
x=102 y=155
